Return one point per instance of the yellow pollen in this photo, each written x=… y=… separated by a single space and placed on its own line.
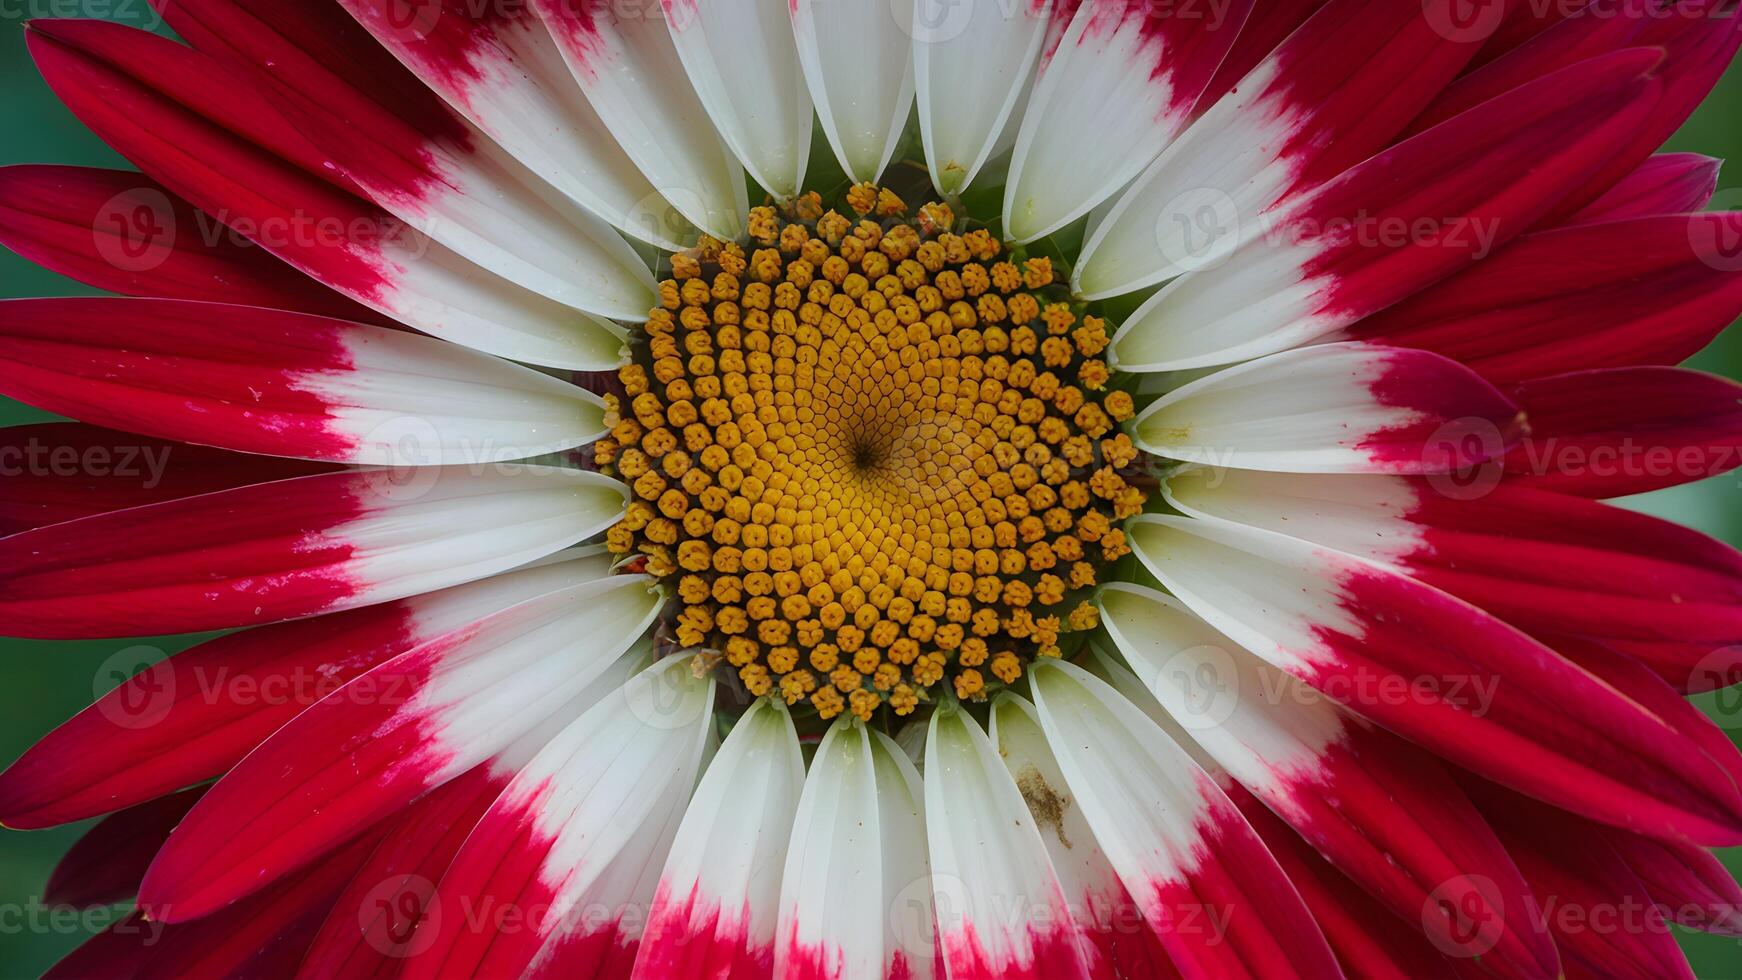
x=873 y=455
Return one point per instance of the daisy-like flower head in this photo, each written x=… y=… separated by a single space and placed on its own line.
x=1140 y=517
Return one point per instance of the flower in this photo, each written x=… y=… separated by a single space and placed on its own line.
x=1184 y=448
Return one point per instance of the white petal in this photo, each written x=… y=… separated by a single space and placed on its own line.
x=856 y=895
x=1360 y=514
x=988 y=860
x=972 y=60
x=428 y=286
x=631 y=73
x=858 y=60
x=832 y=890
x=1110 y=670
x=1216 y=568
x=511 y=760
x=527 y=664
x=910 y=936
x=743 y=62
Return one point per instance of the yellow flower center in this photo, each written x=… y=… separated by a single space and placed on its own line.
x=875 y=456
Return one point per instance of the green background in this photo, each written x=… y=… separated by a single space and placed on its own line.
x=42 y=684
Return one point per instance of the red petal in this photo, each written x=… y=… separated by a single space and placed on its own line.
x=283 y=384
x=1556 y=47
x=1623 y=431
x=1368 y=939
x=1269 y=25
x=62 y=471
x=1650 y=290
x=1699 y=39
x=264 y=937
x=1552 y=134
x=1552 y=564
x=193 y=716
x=107 y=864
x=379 y=919
x=1690 y=885
x=1599 y=911
x=126 y=233
x=1666 y=183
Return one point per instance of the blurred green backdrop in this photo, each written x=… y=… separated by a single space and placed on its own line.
x=42 y=684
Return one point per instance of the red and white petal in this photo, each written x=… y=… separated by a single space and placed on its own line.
x=1689 y=884
x=106 y=865
x=1120 y=941
x=1545 y=562
x=62 y=471
x=987 y=860
x=971 y=62
x=1120 y=86
x=392 y=734
x=1602 y=917
x=294 y=548
x=125 y=233
x=1621 y=431
x=565 y=848
x=285 y=384
x=1201 y=879
x=1396 y=223
x=718 y=903
x=501 y=69
x=1666 y=183
x=1354 y=408
x=407 y=151
x=177 y=115
x=1381 y=810
x=856 y=895
x=1648 y=290
x=1368 y=940
x=1444 y=674
x=858 y=62
x=743 y=61
x=630 y=71
x=1336 y=92
x=193 y=716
